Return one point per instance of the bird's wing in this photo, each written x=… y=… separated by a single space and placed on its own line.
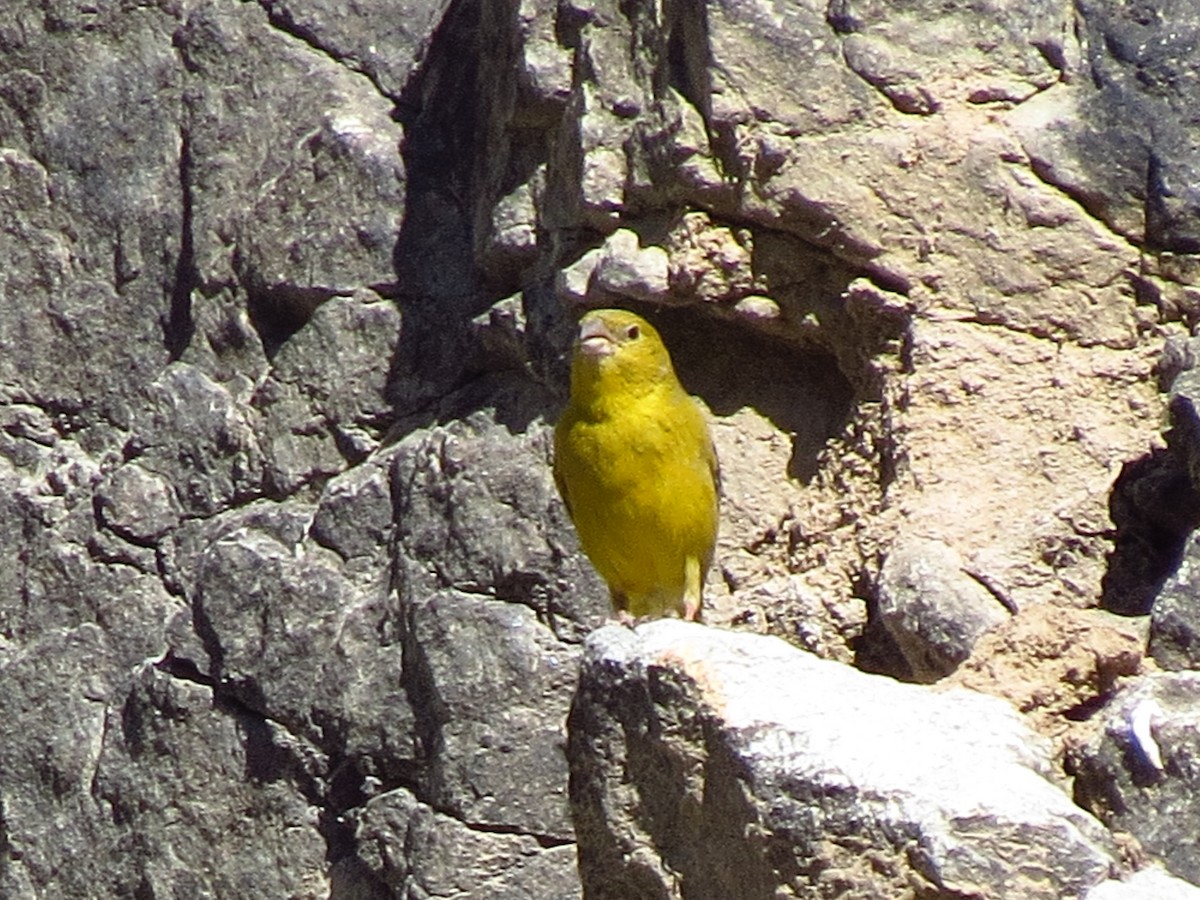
x=710 y=449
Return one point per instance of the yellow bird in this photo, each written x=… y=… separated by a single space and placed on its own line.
x=636 y=467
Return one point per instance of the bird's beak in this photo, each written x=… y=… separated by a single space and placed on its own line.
x=595 y=339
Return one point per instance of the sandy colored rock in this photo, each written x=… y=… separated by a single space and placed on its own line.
x=1054 y=663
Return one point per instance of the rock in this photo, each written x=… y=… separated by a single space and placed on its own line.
x=477 y=512
x=194 y=435
x=329 y=221
x=1130 y=57
x=797 y=70
x=354 y=515
x=890 y=70
x=689 y=779
x=712 y=263
x=408 y=846
x=281 y=332
x=1156 y=507
x=494 y=608
x=289 y=636
x=1147 y=884
x=387 y=52
x=465 y=657
x=1095 y=139
x=1175 y=617
x=323 y=402
x=234 y=783
x=1180 y=376
x=1137 y=774
x=571 y=283
x=629 y=270
x=91 y=205
x=1055 y=664
x=905 y=55
x=931 y=608
x=137 y=505
x=56 y=688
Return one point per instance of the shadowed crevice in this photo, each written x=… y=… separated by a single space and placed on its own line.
x=1154 y=508
x=179 y=327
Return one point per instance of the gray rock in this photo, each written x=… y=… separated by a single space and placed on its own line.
x=930 y=608
x=1139 y=775
x=354 y=515
x=627 y=269
x=192 y=433
x=91 y=205
x=296 y=214
x=1137 y=62
x=385 y=48
x=1114 y=139
x=713 y=764
x=465 y=657
x=55 y=691
x=798 y=71
x=1147 y=884
x=233 y=787
x=1156 y=506
x=138 y=505
x=1175 y=617
x=289 y=636
x=1006 y=51
x=490 y=591
x=1180 y=375
x=291 y=607
x=572 y=282
x=477 y=512
x=416 y=851
x=323 y=403
x=892 y=71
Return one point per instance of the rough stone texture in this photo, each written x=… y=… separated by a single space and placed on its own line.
x=1055 y=665
x=1139 y=773
x=689 y=779
x=418 y=852
x=1140 y=177
x=1148 y=884
x=208 y=670
x=930 y=609
x=285 y=292
x=1175 y=621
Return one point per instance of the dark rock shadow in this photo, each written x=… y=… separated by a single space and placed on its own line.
x=1131 y=153
x=472 y=134
x=1155 y=509
x=800 y=390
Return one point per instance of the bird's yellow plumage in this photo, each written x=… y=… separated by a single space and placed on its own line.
x=635 y=464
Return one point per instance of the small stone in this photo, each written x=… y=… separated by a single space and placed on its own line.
x=758 y=309
x=630 y=270
x=137 y=505
x=931 y=608
x=571 y=283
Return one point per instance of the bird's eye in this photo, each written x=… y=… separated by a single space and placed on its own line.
x=633 y=332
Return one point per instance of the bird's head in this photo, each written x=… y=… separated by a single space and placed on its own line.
x=618 y=353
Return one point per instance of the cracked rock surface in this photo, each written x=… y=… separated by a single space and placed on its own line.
x=685 y=771
x=290 y=606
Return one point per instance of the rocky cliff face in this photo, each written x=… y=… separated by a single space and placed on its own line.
x=291 y=607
